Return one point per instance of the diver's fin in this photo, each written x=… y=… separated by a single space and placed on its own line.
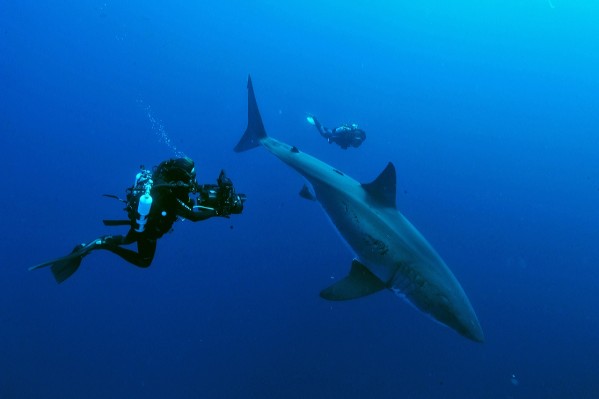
x=63 y=268
x=53 y=261
x=306 y=193
x=255 y=130
x=382 y=189
x=358 y=283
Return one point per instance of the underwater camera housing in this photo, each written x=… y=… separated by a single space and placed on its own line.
x=221 y=196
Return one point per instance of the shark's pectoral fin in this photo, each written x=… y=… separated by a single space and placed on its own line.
x=306 y=193
x=358 y=283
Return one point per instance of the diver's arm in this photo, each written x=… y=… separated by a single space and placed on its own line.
x=195 y=215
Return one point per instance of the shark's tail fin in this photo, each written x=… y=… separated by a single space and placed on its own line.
x=255 y=130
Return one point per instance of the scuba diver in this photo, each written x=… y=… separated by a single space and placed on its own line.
x=153 y=205
x=344 y=135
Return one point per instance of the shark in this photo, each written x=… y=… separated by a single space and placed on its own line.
x=390 y=253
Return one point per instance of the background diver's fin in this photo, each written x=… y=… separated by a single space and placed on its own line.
x=306 y=193
x=358 y=283
x=313 y=121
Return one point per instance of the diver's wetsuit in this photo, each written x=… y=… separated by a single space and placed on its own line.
x=168 y=189
x=169 y=203
x=344 y=136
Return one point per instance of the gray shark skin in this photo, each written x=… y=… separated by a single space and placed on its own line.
x=390 y=252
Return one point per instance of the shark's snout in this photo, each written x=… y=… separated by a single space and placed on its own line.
x=471 y=329
x=459 y=315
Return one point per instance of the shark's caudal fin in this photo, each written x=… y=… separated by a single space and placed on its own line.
x=382 y=189
x=255 y=130
x=358 y=283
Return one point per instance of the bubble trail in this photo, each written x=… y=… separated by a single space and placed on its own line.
x=160 y=131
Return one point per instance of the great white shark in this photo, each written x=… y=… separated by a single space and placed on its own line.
x=390 y=252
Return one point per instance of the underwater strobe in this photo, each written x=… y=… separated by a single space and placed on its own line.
x=143 y=182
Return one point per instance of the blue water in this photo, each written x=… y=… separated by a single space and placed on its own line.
x=487 y=109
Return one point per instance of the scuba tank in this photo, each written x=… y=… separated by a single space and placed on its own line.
x=143 y=210
x=139 y=202
x=141 y=189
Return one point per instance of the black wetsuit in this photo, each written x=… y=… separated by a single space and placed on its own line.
x=168 y=203
x=344 y=136
x=169 y=187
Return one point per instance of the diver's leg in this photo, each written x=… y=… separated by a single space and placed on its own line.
x=317 y=124
x=324 y=131
x=63 y=268
x=146 y=248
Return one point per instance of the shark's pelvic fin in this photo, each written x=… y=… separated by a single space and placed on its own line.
x=255 y=130
x=382 y=189
x=358 y=283
x=306 y=193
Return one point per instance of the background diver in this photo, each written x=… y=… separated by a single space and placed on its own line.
x=153 y=204
x=345 y=135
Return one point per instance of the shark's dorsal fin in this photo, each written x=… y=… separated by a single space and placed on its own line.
x=382 y=189
x=358 y=283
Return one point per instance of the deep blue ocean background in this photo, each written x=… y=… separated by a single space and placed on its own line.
x=487 y=109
